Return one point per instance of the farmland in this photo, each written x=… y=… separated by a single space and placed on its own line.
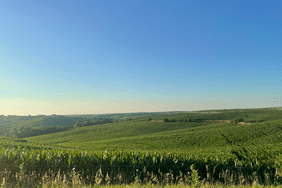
x=172 y=145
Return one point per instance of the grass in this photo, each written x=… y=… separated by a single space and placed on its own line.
x=75 y=180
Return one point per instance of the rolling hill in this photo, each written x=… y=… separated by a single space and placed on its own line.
x=178 y=136
x=246 y=151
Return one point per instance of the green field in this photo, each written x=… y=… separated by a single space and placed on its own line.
x=9 y=122
x=220 y=152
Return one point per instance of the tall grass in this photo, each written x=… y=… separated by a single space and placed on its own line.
x=77 y=179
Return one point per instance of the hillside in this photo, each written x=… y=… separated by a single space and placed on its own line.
x=178 y=136
x=251 y=151
x=8 y=122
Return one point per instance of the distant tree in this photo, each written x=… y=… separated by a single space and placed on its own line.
x=173 y=120
x=166 y=120
x=236 y=120
x=77 y=124
x=2 y=133
x=150 y=119
x=14 y=132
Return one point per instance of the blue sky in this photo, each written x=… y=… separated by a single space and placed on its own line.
x=92 y=57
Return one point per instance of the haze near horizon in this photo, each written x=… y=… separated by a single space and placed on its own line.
x=86 y=57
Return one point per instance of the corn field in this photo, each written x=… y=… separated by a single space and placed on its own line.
x=242 y=165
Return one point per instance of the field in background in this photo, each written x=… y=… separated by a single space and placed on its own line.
x=138 y=147
x=9 y=122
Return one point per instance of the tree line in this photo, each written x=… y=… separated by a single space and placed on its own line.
x=28 y=131
x=89 y=122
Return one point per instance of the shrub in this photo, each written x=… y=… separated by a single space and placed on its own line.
x=166 y=120
x=236 y=120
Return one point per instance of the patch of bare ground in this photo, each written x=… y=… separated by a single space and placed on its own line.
x=218 y=121
x=227 y=121
x=243 y=123
x=161 y=121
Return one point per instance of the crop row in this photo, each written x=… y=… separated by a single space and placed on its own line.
x=243 y=161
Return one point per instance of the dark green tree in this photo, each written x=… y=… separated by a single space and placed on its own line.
x=166 y=120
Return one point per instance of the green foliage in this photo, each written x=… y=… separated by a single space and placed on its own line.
x=89 y=122
x=23 y=161
x=8 y=122
x=166 y=120
x=201 y=149
x=24 y=131
x=248 y=115
x=28 y=131
x=195 y=179
x=171 y=136
x=236 y=120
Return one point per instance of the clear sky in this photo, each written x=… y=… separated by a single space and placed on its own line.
x=108 y=56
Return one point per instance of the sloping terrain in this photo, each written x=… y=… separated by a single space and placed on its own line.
x=8 y=122
x=143 y=135
x=183 y=132
x=181 y=140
